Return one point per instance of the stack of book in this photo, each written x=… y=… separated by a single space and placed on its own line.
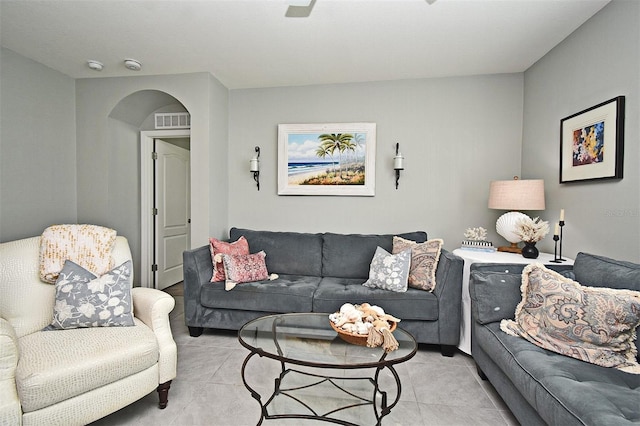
x=478 y=245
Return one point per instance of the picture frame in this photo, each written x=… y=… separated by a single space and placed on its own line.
x=592 y=143
x=327 y=159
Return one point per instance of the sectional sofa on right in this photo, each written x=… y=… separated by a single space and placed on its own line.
x=540 y=386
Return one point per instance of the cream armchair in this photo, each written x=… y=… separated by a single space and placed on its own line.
x=77 y=376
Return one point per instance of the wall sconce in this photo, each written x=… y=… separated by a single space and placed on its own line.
x=254 y=167
x=398 y=163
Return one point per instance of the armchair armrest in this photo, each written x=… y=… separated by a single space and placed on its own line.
x=10 y=409
x=152 y=307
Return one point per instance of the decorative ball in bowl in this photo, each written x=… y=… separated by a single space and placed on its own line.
x=355 y=338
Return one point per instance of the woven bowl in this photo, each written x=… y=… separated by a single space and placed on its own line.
x=356 y=339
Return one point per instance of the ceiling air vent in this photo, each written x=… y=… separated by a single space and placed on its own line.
x=173 y=120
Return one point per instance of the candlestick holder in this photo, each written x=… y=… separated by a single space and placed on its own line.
x=561 y=223
x=556 y=259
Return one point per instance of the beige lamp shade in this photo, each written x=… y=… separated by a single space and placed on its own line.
x=514 y=195
x=517 y=194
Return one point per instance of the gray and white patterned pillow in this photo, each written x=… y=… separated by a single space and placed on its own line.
x=84 y=300
x=389 y=271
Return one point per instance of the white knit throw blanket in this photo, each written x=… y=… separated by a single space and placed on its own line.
x=89 y=246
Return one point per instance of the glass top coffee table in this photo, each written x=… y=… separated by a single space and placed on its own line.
x=307 y=342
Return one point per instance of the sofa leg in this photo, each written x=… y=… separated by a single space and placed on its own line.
x=447 y=350
x=195 y=331
x=480 y=372
x=163 y=393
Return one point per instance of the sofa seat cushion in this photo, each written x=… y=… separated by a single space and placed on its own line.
x=287 y=293
x=562 y=390
x=413 y=304
x=58 y=365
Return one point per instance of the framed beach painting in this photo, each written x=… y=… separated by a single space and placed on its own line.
x=592 y=143
x=327 y=159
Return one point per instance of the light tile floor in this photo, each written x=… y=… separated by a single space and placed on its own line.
x=208 y=390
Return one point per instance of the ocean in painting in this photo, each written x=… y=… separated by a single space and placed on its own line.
x=298 y=168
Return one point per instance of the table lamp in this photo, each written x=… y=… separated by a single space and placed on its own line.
x=514 y=195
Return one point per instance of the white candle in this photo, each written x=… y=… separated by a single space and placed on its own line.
x=253 y=165
x=556 y=231
x=561 y=215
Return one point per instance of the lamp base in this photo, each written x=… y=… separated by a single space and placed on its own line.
x=513 y=248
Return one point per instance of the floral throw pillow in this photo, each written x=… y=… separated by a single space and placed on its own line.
x=218 y=248
x=389 y=271
x=593 y=324
x=424 y=261
x=84 y=300
x=244 y=268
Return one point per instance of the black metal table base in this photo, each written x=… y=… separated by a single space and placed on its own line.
x=380 y=410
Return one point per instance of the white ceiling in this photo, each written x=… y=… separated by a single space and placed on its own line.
x=250 y=43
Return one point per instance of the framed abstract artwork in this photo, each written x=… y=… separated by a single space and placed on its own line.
x=592 y=143
x=327 y=159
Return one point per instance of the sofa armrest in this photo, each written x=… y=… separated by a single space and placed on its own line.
x=152 y=307
x=449 y=292
x=198 y=270
x=10 y=409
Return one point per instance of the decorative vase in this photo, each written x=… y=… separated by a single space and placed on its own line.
x=530 y=251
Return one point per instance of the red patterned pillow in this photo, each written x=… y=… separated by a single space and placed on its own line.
x=217 y=247
x=244 y=268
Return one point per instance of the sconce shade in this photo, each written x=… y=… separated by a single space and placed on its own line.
x=398 y=162
x=516 y=194
x=254 y=165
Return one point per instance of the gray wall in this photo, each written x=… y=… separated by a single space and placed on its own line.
x=96 y=98
x=37 y=146
x=456 y=134
x=597 y=62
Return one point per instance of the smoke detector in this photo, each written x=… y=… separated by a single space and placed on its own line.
x=95 y=65
x=132 y=64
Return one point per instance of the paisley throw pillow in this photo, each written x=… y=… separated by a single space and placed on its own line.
x=593 y=324
x=240 y=268
x=424 y=261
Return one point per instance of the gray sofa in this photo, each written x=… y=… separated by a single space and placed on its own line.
x=540 y=386
x=319 y=273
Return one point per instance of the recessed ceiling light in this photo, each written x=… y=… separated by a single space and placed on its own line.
x=95 y=65
x=132 y=64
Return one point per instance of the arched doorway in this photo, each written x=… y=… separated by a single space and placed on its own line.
x=132 y=128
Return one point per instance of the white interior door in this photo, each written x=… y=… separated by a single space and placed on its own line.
x=173 y=212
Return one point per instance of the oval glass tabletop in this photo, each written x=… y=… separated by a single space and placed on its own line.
x=308 y=339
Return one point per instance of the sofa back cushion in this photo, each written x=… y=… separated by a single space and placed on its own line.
x=349 y=255
x=599 y=271
x=290 y=253
x=495 y=290
x=26 y=301
x=495 y=295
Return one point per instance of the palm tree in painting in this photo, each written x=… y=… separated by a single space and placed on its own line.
x=359 y=140
x=348 y=147
x=322 y=151
x=335 y=141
